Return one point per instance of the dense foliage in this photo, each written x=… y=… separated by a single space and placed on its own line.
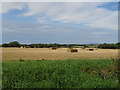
x=60 y=74
x=11 y=44
x=109 y=46
x=40 y=45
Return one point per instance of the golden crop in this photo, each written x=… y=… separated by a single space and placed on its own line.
x=58 y=54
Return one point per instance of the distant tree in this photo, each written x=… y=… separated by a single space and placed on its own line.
x=14 y=44
x=118 y=45
x=85 y=46
x=109 y=46
x=5 y=45
x=24 y=45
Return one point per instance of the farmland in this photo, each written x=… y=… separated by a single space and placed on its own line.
x=60 y=74
x=59 y=68
x=59 y=44
x=58 y=54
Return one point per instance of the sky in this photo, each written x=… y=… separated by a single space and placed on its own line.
x=60 y=22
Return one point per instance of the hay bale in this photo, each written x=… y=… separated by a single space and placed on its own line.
x=54 y=48
x=26 y=47
x=74 y=50
x=91 y=49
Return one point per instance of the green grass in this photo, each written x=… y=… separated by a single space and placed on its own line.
x=60 y=74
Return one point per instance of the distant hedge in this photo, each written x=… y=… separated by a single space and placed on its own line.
x=12 y=44
x=40 y=45
x=109 y=46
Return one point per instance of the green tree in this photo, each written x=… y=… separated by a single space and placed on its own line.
x=5 y=45
x=14 y=44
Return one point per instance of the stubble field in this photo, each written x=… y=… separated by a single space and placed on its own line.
x=59 y=54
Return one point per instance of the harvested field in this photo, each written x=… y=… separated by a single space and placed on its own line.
x=59 y=54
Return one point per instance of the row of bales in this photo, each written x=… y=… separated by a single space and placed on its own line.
x=75 y=49
x=69 y=49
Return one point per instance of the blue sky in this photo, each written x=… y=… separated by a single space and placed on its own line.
x=79 y=23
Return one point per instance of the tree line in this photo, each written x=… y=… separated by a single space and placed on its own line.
x=40 y=45
x=109 y=46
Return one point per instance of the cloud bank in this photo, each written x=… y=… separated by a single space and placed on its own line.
x=86 y=13
x=61 y=22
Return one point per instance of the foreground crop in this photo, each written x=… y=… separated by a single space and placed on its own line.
x=60 y=74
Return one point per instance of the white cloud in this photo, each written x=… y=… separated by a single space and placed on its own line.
x=59 y=0
x=99 y=33
x=7 y=6
x=50 y=33
x=78 y=13
x=86 y=13
x=108 y=21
